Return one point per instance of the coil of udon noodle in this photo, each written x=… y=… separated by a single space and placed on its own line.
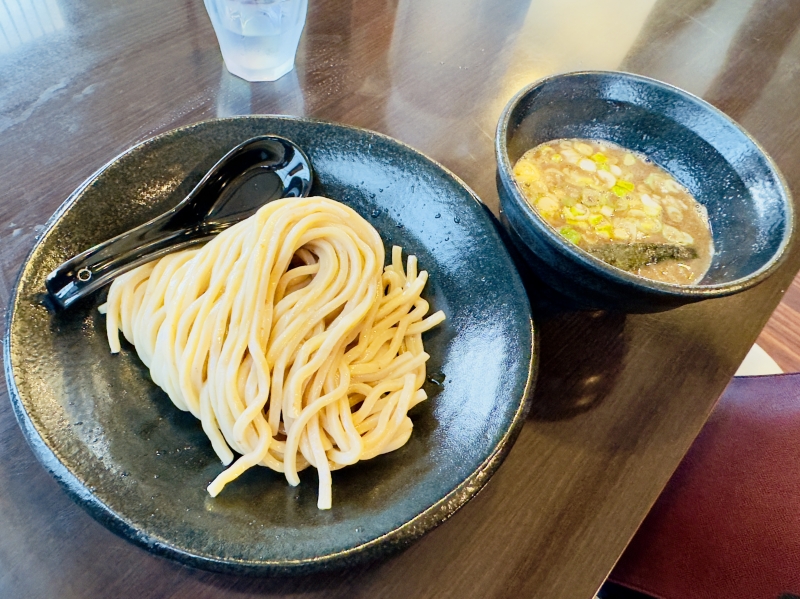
x=286 y=337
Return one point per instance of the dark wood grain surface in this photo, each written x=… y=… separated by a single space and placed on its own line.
x=620 y=398
x=781 y=335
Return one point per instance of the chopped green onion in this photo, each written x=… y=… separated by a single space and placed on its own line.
x=596 y=219
x=622 y=187
x=570 y=234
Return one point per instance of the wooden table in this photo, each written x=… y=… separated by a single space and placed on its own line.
x=619 y=398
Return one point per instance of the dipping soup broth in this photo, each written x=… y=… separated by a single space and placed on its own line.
x=618 y=206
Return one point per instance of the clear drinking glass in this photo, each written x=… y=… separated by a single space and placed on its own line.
x=258 y=38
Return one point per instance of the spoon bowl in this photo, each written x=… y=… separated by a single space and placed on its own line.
x=255 y=172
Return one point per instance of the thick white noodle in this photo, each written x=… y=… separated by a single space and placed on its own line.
x=286 y=337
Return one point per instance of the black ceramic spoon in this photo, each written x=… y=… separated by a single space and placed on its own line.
x=283 y=170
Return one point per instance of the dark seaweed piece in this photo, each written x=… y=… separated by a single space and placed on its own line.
x=632 y=256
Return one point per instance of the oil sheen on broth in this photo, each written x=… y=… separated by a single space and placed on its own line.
x=618 y=206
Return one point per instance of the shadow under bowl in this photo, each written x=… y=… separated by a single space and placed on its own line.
x=749 y=206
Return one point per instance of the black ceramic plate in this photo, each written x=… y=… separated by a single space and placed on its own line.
x=141 y=466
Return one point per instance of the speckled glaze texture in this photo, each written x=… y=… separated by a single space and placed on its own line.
x=748 y=202
x=141 y=466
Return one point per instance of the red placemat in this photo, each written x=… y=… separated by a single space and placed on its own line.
x=727 y=526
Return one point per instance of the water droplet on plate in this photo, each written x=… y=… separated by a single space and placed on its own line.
x=437 y=378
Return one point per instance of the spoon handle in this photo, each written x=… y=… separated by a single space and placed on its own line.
x=97 y=266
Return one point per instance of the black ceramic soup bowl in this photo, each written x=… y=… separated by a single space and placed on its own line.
x=749 y=206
